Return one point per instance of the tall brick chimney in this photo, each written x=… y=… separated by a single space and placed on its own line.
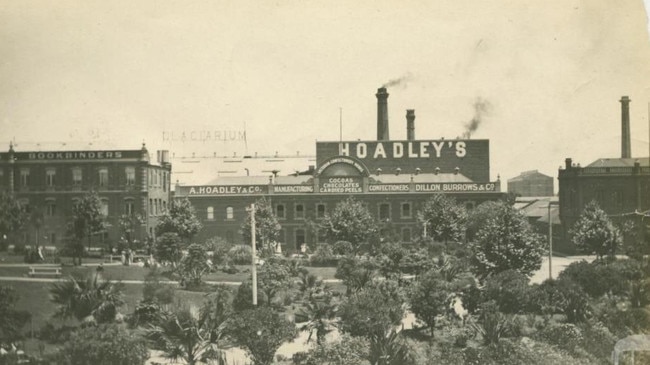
x=410 y=124
x=625 y=126
x=382 y=114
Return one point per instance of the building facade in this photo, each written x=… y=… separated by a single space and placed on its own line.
x=392 y=178
x=531 y=183
x=48 y=183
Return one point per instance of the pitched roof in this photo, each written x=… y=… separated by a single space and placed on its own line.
x=527 y=175
x=619 y=162
x=537 y=208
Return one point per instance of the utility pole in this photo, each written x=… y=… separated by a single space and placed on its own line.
x=254 y=268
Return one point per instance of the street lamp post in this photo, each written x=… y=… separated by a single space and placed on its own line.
x=253 y=268
x=550 y=241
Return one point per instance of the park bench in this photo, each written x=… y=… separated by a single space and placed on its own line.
x=44 y=271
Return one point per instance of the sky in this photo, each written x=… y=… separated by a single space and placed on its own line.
x=543 y=79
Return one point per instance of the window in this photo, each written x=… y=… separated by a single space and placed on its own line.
x=130 y=175
x=300 y=211
x=24 y=178
x=50 y=177
x=150 y=206
x=165 y=181
x=230 y=214
x=103 y=177
x=103 y=207
x=76 y=176
x=406 y=235
x=53 y=238
x=128 y=207
x=406 y=210
x=51 y=209
x=279 y=211
x=384 y=211
x=164 y=206
x=320 y=210
x=210 y=213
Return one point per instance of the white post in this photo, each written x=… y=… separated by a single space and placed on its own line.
x=550 y=242
x=254 y=268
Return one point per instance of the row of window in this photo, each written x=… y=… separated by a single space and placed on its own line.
x=384 y=211
x=157 y=206
x=156 y=177
x=50 y=209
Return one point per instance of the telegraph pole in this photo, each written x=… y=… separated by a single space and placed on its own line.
x=254 y=268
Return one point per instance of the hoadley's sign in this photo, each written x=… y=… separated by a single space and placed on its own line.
x=224 y=190
x=341 y=185
x=416 y=149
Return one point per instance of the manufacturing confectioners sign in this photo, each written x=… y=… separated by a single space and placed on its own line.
x=341 y=185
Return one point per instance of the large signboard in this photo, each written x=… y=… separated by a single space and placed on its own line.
x=455 y=187
x=471 y=156
x=78 y=155
x=341 y=185
x=222 y=190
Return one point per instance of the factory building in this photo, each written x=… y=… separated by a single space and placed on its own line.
x=393 y=178
x=48 y=183
x=531 y=184
x=621 y=185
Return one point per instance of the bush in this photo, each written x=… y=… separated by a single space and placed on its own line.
x=560 y=297
x=416 y=261
x=219 y=247
x=240 y=254
x=596 y=279
x=156 y=291
x=509 y=289
x=104 y=345
x=323 y=256
x=342 y=248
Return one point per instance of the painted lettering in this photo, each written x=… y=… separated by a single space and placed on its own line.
x=423 y=149
x=379 y=151
x=362 y=150
x=344 y=149
x=398 y=150
x=460 y=149
x=412 y=153
x=438 y=147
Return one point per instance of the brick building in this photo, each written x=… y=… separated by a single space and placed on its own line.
x=393 y=179
x=50 y=182
x=621 y=186
x=531 y=183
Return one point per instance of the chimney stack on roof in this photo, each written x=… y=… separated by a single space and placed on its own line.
x=410 y=124
x=625 y=126
x=382 y=114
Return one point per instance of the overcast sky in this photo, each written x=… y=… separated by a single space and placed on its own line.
x=115 y=73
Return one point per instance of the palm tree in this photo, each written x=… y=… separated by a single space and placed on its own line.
x=389 y=350
x=320 y=314
x=183 y=334
x=80 y=298
x=309 y=284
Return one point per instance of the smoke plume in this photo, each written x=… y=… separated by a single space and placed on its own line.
x=482 y=108
x=401 y=81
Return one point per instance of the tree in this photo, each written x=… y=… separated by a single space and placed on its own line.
x=594 y=232
x=129 y=225
x=12 y=320
x=389 y=350
x=352 y=222
x=506 y=241
x=373 y=311
x=349 y=351
x=267 y=227
x=429 y=297
x=180 y=219
x=86 y=220
x=355 y=272
x=194 y=265
x=12 y=215
x=477 y=217
x=443 y=218
x=273 y=277
x=106 y=344
x=184 y=334
x=320 y=313
x=90 y=296
x=168 y=248
x=260 y=331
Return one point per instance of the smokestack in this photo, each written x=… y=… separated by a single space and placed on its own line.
x=625 y=125
x=410 y=124
x=382 y=114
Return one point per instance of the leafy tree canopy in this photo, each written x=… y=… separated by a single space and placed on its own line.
x=104 y=345
x=194 y=265
x=12 y=214
x=168 y=248
x=594 y=232
x=12 y=320
x=350 y=221
x=506 y=241
x=180 y=219
x=267 y=227
x=443 y=218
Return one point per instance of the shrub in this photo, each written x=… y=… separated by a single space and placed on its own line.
x=560 y=297
x=156 y=291
x=104 y=345
x=493 y=325
x=219 y=247
x=415 y=262
x=509 y=289
x=342 y=248
x=596 y=279
x=240 y=254
x=194 y=265
x=323 y=256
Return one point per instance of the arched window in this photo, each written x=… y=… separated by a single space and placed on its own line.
x=210 y=213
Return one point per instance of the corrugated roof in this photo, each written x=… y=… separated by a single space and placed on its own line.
x=537 y=208
x=203 y=170
x=619 y=162
x=420 y=178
